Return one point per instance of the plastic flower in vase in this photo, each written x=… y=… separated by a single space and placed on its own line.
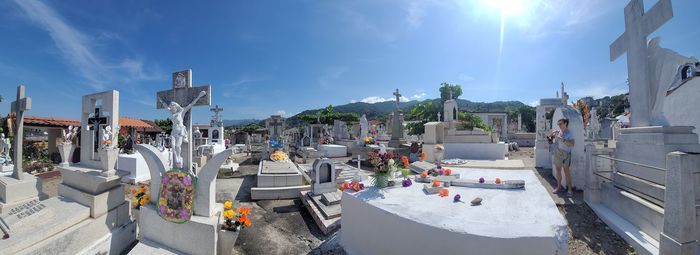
x=141 y=196
x=405 y=161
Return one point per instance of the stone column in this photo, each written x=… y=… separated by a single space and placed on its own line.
x=678 y=236
x=593 y=165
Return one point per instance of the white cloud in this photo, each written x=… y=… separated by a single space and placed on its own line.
x=76 y=49
x=414 y=14
x=534 y=103
x=282 y=113
x=419 y=96
x=377 y=99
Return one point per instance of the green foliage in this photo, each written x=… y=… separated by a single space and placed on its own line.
x=327 y=115
x=250 y=128
x=416 y=128
x=426 y=111
x=165 y=124
x=527 y=113
x=445 y=91
x=471 y=121
x=614 y=106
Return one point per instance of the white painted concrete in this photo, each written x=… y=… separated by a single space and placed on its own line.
x=333 y=150
x=135 y=165
x=508 y=221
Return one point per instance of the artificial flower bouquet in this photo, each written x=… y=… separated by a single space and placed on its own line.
x=236 y=220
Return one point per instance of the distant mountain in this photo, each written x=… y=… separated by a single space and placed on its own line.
x=381 y=110
x=243 y=122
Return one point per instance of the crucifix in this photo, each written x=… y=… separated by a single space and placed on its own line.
x=638 y=25
x=178 y=101
x=19 y=106
x=398 y=96
x=95 y=124
x=217 y=117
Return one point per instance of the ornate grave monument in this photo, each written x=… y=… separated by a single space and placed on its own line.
x=6 y=165
x=179 y=100
x=323 y=201
x=185 y=211
x=645 y=189
x=91 y=215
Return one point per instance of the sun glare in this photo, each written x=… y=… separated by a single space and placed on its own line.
x=507 y=8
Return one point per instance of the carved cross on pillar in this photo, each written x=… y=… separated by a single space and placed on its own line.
x=95 y=123
x=19 y=106
x=638 y=25
x=398 y=96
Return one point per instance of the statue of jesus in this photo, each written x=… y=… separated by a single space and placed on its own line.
x=179 y=133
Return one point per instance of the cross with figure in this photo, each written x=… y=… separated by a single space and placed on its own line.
x=19 y=106
x=398 y=96
x=638 y=25
x=217 y=116
x=95 y=124
x=179 y=101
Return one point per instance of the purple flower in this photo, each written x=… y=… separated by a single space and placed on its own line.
x=438 y=167
x=406 y=183
x=187 y=180
x=162 y=209
x=458 y=198
x=481 y=180
x=184 y=214
x=166 y=178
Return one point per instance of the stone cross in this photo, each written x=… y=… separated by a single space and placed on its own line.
x=19 y=106
x=275 y=123
x=96 y=121
x=439 y=116
x=638 y=25
x=183 y=93
x=217 y=116
x=398 y=96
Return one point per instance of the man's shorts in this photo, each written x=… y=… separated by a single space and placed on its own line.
x=561 y=158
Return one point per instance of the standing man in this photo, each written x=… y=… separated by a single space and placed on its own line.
x=563 y=143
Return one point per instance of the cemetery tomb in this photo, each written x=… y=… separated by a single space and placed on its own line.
x=135 y=166
x=508 y=221
x=577 y=153
x=323 y=201
x=333 y=150
x=278 y=180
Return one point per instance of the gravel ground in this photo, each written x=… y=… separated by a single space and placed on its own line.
x=285 y=227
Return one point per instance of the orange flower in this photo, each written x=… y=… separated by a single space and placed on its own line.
x=424 y=174
x=436 y=183
x=405 y=161
x=345 y=186
x=448 y=171
x=498 y=180
x=422 y=156
x=245 y=220
x=244 y=211
x=444 y=192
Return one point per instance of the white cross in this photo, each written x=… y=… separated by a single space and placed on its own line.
x=19 y=106
x=638 y=25
x=398 y=96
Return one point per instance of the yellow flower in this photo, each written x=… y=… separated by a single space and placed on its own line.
x=135 y=202
x=161 y=201
x=146 y=198
x=227 y=205
x=229 y=214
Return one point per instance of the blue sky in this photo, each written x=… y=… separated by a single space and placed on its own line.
x=265 y=57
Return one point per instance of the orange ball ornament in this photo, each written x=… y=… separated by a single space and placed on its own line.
x=424 y=174
x=498 y=180
x=444 y=192
x=448 y=171
x=436 y=183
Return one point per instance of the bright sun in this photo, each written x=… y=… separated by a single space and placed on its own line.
x=506 y=7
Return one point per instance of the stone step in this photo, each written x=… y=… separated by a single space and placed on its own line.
x=645 y=215
x=57 y=215
x=648 y=190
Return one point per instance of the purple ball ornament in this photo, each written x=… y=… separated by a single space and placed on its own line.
x=481 y=180
x=406 y=183
x=458 y=198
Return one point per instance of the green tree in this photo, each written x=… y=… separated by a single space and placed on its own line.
x=250 y=128
x=471 y=121
x=165 y=124
x=424 y=112
x=445 y=89
x=416 y=128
